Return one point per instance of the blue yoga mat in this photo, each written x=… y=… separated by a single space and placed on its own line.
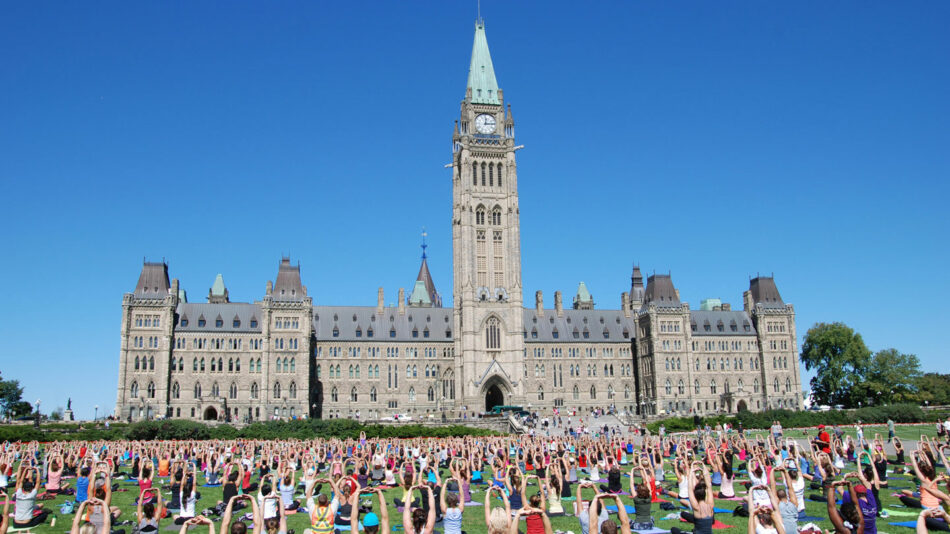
x=653 y=530
x=908 y=524
x=812 y=519
x=613 y=509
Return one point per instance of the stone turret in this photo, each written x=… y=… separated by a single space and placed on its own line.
x=218 y=294
x=539 y=303
x=583 y=300
x=380 y=303
x=558 y=306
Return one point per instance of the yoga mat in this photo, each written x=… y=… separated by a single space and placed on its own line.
x=474 y=503
x=718 y=525
x=717 y=510
x=629 y=508
x=736 y=499
x=908 y=524
x=901 y=513
x=653 y=530
x=811 y=519
x=211 y=485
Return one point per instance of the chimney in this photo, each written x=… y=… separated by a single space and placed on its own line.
x=402 y=301
x=726 y=306
x=747 y=301
x=677 y=294
x=539 y=303
x=625 y=303
x=270 y=288
x=558 y=307
x=379 y=301
x=174 y=287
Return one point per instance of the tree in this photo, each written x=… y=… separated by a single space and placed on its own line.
x=11 y=395
x=839 y=356
x=934 y=388
x=57 y=414
x=890 y=377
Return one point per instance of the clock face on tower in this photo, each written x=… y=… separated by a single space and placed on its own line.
x=485 y=123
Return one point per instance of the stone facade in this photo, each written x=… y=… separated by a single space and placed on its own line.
x=283 y=356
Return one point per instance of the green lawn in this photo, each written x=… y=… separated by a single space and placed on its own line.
x=473 y=517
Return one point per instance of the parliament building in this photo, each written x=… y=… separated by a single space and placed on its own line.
x=284 y=356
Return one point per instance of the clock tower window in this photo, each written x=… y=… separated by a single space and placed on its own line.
x=499 y=175
x=474 y=173
x=480 y=216
x=491 y=175
x=483 y=173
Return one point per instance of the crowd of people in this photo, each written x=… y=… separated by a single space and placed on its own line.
x=602 y=483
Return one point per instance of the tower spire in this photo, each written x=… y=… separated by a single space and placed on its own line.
x=424 y=234
x=482 y=86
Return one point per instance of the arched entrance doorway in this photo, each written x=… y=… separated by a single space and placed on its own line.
x=742 y=406
x=494 y=397
x=211 y=414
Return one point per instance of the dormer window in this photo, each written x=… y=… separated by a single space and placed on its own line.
x=359 y=332
x=415 y=332
x=554 y=333
x=369 y=332
x=253 y=323
x=218 y=323
x=336 y=332
x=392 y=332
x=425 y=333
x=201 y=322
x=183 y=321
x=236 y=323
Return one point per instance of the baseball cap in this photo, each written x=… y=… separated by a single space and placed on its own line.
x=860 y=488
x=821 y=427
x=370 y=520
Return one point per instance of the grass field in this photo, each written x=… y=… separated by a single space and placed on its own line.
x=473 y=521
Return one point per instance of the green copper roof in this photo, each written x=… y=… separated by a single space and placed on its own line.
x=182 y=295
x=420 y=295
x=481 y=73
x=583 y=295
x=217 y=289
x=709 y=304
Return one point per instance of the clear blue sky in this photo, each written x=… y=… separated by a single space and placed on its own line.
x=715 y=141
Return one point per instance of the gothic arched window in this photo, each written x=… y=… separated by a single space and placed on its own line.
x=293 y=390
x=483 y=174
x=593 y=392
x=499 y=175
x=480 y=215
x=372 y=395
x=197 y=390
x=254 y=390
x=474 y=173
x=134 y=390
x=276 y=390
x=491 y=176
x=232 y=391
x=493 y=335
x=176 y=390
x=334 y=395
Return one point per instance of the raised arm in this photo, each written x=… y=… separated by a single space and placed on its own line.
x=430 y=520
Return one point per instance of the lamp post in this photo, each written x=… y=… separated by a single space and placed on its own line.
x=36 y=418
x=96 y=417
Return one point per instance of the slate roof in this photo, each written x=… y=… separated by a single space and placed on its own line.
x=243 y=311
x=660 y=291
x=153 y=281
x=765 y=292
x=727 y=319
x=288 y=285
x=613 y=321
x=326 y=318
x=426 y=278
